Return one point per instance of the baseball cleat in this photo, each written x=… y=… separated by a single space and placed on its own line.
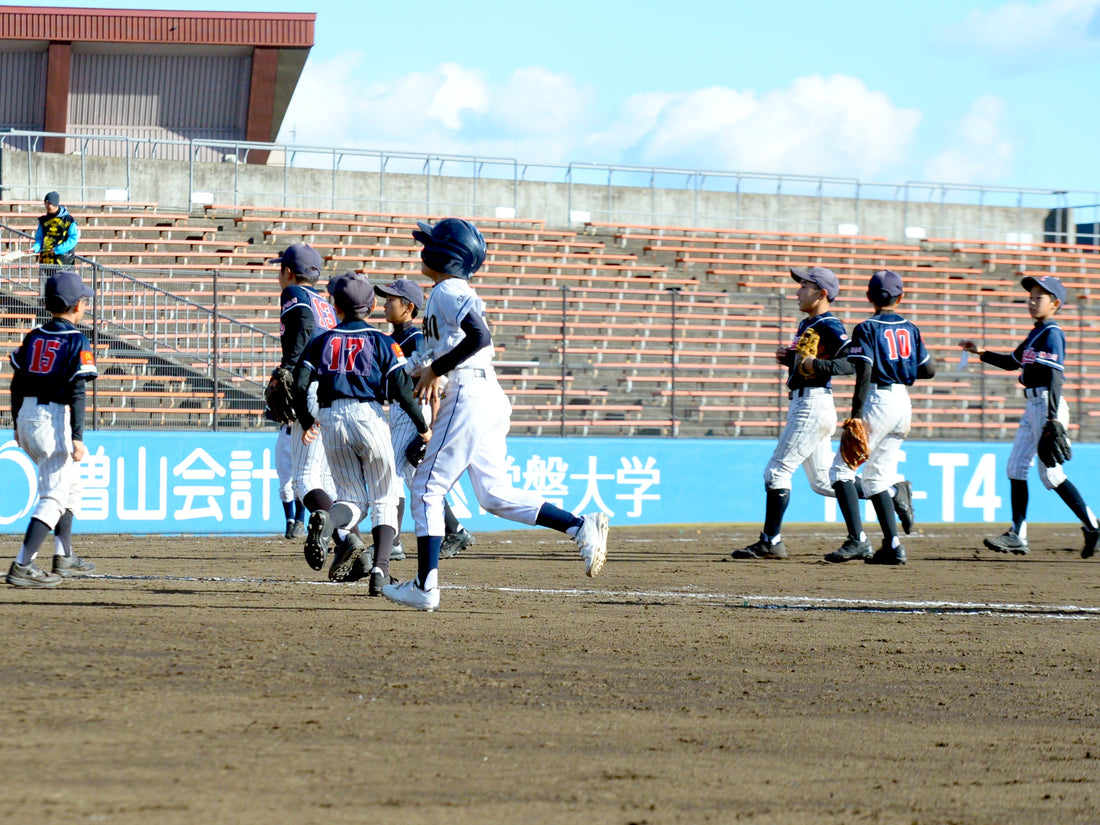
x=1007 y=542
x=410 y=595
x=317 y=538
x=289 y=533
x=850 y=550
x=378 y=580
x=398 y=552
x=67 y=566
x=761 y=549
x=30 y=575
x=347 y=552
x=903 y=505
x=298 y=530
x=888 y=555
x=455 y=543
x=592 y=541
x=1091 y=535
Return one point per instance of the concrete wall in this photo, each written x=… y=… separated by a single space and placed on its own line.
x=175 y=185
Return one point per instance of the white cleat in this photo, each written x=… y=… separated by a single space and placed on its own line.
x=408 y=594
x=592 y=540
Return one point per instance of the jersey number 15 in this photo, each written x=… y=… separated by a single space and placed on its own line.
x=43 y=356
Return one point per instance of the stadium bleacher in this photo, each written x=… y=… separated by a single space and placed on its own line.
x=652 y=322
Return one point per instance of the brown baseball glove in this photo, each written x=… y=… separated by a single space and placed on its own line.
x=854 y=448
x=278 y=396
x=805 y=351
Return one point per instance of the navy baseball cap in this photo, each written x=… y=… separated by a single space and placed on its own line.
x=824 y=278
x=1047 y=283
x=64 y=289
x=884 y=286
x=353 y=293
x=404 y=288
x=302 y=259
x=52 y=197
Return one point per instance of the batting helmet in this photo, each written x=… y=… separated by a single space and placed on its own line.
x=452 y=246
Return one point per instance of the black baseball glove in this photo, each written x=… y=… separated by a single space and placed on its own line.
x=1054 y=445
x=279 y=396
x=416 y=450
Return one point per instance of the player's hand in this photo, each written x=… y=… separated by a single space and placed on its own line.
x=780 y=354
x=970 y=346
x=426 y=436
x=427 y=386
x=312 y=434
x=79 y=451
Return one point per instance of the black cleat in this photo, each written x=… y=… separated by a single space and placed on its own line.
x=1091 y=535
x=378 y=580
x=850 y=550
x=1007 y=542
x=761 y=550
x=317 y=538
x=903 y=505
x=888 y=555
x=455 y=543
x=347 y=552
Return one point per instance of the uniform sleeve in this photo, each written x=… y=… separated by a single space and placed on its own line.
x=1005 y=361
x=39 y=234
x=923 y=356
x=836 y=343
x=304 y=371
x=862 y=348
x=297 y=329
x=1052 y=352
x=477 y=338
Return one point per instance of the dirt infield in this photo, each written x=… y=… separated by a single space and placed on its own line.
x=218 y=680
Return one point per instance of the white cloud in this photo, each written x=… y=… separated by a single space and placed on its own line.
x=1022 y=33
x=981 y=152
x=830 y=126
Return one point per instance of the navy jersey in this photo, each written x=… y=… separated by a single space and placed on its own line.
x=50 y=360
x=834 y=344
x=354 y=360
x=303 y=313
x=1043 y=350
x=409 y=338
x=892 y=345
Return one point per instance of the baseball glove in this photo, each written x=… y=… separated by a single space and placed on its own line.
x=415 y=451
x=805 y=351
x=278 y=396
x=1054 y=445
x=854 y=447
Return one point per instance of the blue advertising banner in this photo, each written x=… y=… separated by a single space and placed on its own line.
x=178 y=482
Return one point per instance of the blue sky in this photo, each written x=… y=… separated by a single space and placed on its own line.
x=993 y=93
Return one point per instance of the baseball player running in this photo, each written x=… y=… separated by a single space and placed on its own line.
x=403 y=301
x=888 y=355
x=303 y=313
x=48 y=401
x=1041 y=359
x=818 y=352
x=473 y=418
x=357 y=369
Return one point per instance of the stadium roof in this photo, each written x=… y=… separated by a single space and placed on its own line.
x=276 y=43
x=149 y=26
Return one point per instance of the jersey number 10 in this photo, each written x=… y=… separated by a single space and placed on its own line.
x=898 y=343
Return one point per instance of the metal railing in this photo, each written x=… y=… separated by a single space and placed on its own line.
x=163 y=359
x=429 y=183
